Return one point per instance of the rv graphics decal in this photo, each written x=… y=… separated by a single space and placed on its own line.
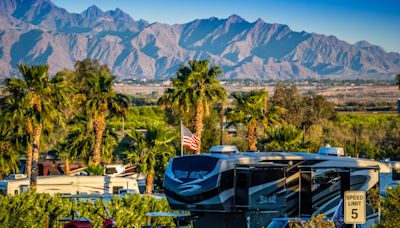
x=267 y=199
x=188 y=188
x=191 y=175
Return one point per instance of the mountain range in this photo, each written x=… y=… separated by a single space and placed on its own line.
x=38 y=31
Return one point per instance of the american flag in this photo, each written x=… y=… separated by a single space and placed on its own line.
x=189 y=140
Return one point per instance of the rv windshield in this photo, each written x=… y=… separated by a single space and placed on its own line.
x=191 y=168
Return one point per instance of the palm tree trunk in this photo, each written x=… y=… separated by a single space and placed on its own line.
x=199 y=123
x=251 y=135
x=29 y=131
x=355 y=146
x=99 y=130
x=149 y=183
x=37 y=132
x=28 y=159
x=67 y=169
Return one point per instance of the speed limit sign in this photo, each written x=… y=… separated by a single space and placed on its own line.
x=354 y=207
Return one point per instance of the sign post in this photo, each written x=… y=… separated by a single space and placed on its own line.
x=354 y=207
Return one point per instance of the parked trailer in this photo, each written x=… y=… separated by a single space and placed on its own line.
x=71 y=185
x=226 y=188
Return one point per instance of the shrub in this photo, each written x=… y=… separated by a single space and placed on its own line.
x=35 y=210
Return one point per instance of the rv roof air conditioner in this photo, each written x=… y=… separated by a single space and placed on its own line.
x=224 y=149
x=332 y=151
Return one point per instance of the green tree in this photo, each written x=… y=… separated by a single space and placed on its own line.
x=98 y=101
x=288 y=98
x=248 y=109
x=150 y=149
x=356 y=128
x=286 y=138
x=35 y=101
x=195 y=88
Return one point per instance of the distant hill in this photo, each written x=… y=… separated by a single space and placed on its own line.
x=37 y=31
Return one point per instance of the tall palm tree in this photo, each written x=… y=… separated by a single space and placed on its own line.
x=147 y=149
x=80 y=141
x=36 y=101
x=195 y=88
x=249 y=109
x=99 y=102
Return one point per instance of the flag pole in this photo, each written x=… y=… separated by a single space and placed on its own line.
x=181 y=140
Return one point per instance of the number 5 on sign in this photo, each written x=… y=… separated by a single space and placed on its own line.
x=354 y=207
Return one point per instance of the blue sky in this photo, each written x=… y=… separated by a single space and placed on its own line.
x=377 y=21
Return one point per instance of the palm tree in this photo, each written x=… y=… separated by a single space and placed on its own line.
x=99 y=101
x=8 y=158
x=195 y=87
x=286 y=138
x=20 y=135
x=80 y=142
x=36 y=102
x=147 y=150
x=249 y=109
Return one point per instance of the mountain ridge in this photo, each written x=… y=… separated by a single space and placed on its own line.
x=38 y=31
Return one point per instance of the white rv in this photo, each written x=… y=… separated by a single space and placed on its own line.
x=70 y=185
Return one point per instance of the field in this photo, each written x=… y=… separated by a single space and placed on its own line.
x=336 y=94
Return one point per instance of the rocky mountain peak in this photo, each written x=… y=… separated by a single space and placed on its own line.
x=234 y=18
x=93 y=12
x=37 y=31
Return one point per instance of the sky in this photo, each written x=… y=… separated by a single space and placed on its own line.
x=376 y=21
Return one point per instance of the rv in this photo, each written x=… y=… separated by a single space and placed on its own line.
x=227 y=188
x=70 y=185
x=389 y=175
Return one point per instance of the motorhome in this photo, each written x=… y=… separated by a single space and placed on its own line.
x=70 y=185
x=227 y=188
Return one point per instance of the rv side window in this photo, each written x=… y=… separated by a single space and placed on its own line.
x=116 y=188
x=16 y=192
x=24 y=188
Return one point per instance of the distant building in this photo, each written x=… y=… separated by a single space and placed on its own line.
x=167 y=83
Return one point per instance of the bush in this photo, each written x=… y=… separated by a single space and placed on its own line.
x=35 y=210
x=390 y=210
x=316 y=221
